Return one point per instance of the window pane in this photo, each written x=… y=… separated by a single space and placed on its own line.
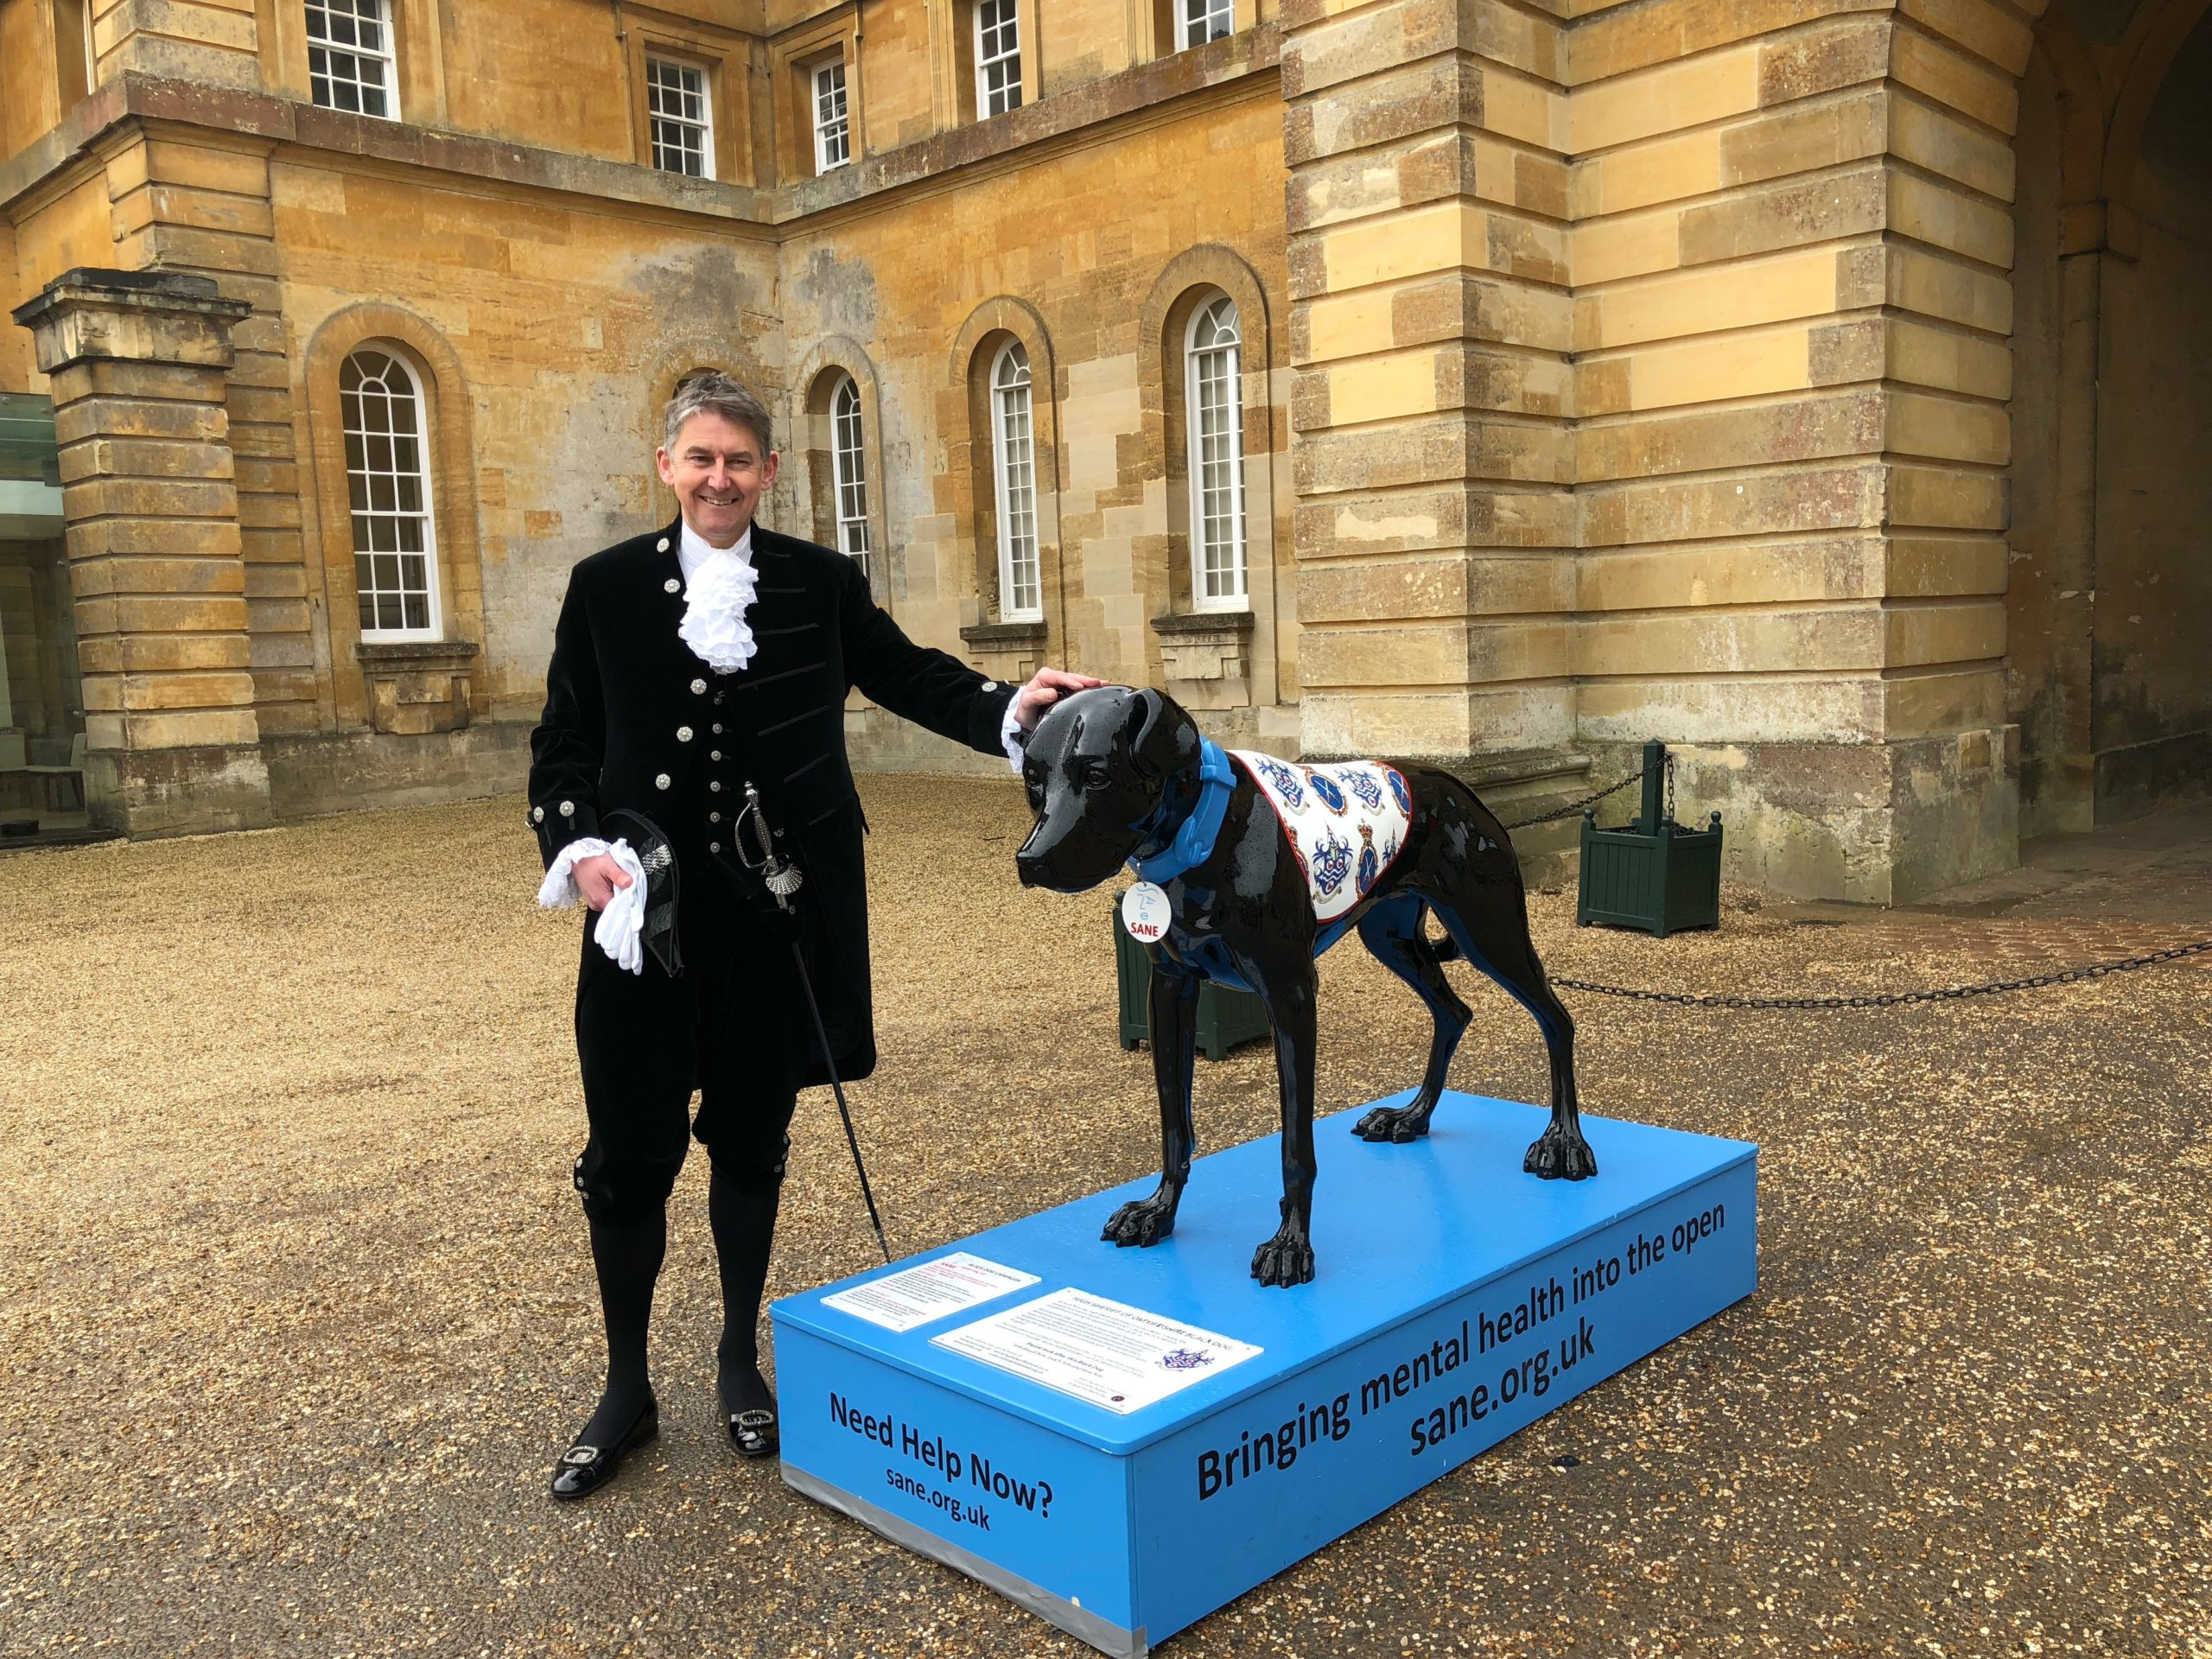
x=676 y=99
x=394 y=572
x=832 y=134
x=349 y=56
x=1019 y=579
x=1216 y=459
x=849 y=469
x=998 y=57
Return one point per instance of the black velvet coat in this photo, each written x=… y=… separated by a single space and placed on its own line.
x=633 y=719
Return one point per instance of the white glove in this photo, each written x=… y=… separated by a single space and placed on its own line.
x=621 y=925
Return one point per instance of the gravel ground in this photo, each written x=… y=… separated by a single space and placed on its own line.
x=295 y=1310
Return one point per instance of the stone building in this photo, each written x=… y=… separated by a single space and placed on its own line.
x=1817 y=385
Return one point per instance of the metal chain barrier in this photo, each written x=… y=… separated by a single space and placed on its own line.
x=1872 y=999
x=1892 y=999
x=1570 y=810
x=1587 y=800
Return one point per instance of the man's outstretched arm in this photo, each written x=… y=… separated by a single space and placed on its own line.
x=935 y=689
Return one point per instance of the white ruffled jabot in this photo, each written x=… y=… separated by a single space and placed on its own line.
x=715 y=599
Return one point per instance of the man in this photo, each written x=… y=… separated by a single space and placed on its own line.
x=689 y=664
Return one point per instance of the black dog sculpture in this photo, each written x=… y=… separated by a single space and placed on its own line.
x=1117 y=775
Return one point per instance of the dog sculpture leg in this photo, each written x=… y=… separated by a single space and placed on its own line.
x=1291 y=995
x=1392 y=933
x=1172 y=1010
x=1560 y=1152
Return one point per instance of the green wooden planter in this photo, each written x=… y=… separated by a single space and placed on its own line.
x=1651 y=874
x=1226 y=1017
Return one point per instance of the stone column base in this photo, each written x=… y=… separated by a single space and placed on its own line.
x=1877 y=824
x=186 y=792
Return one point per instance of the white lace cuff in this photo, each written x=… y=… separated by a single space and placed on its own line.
x=1010 y=734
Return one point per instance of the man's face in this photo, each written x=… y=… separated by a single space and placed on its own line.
x=719 y=475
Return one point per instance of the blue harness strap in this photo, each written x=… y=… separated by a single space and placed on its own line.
x=1193 y=842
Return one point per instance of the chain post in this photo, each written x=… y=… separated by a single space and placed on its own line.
x=1654 y=762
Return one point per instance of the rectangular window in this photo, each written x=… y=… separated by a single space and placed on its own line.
x=682 y=116
x=1207 y=20
x=349 y=57
x=998 y=58
x=833 y=141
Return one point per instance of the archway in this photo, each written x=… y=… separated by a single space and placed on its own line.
x=2110 y=600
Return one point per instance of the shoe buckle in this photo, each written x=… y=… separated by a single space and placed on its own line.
x=754 y=1418
x=580 y=1455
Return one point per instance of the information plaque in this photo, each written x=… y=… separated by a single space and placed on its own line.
x=1457 y=1299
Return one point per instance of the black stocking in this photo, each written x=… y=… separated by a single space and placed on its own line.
x=628 y=1260
x=743 y=1215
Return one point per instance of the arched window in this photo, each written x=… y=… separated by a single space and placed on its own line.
x=395 y=550
x=847 y=452
x=1022 y=592
x=1216 y=418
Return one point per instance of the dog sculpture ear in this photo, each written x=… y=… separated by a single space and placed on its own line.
x=1164 y=740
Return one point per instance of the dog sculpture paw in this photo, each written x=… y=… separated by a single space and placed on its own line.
x=1394 y=1123
x=1141 y=1222
x=1285 y=1259
x=1561 y=1155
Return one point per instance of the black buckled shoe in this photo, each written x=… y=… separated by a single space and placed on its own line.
x=752 y=1433
x=584 y=1469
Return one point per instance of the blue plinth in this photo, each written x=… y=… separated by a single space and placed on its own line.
x=1457 y=1300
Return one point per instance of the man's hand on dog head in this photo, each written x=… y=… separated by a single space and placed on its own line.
x=1047 y=687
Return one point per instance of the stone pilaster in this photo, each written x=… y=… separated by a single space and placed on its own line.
x=1788 y=261
x=138 y=362
x=1430 y=330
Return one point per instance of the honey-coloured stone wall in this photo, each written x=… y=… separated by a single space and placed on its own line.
x=1610 y=370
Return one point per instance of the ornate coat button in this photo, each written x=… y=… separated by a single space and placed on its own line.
x=713 y=817
x=670 y=585
x=718 y=730
x=990 y=685
x=537 y=815
x=716 y=755
x=662 y=781
x=683 y=734
x=714 y=846
x=568 y=809
x=716 y=785
x=661 y=546
x=698 y=688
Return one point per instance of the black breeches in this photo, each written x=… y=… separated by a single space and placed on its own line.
x=734 y=1028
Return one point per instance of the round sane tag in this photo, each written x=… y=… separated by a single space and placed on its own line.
x=1145 y=912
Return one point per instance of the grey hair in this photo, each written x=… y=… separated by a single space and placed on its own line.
x=713 y=392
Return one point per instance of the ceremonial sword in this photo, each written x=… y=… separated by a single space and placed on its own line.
x=783 y=879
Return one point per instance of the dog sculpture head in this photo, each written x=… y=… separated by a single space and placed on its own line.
x=1102 y=768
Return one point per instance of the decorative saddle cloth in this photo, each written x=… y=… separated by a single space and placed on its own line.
x=1346 y=823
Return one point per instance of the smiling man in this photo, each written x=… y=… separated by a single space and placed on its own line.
x=690 y=666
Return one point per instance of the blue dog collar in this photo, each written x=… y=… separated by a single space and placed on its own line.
x=1193 y=842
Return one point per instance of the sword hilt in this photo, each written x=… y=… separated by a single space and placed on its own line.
x=778 y=873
